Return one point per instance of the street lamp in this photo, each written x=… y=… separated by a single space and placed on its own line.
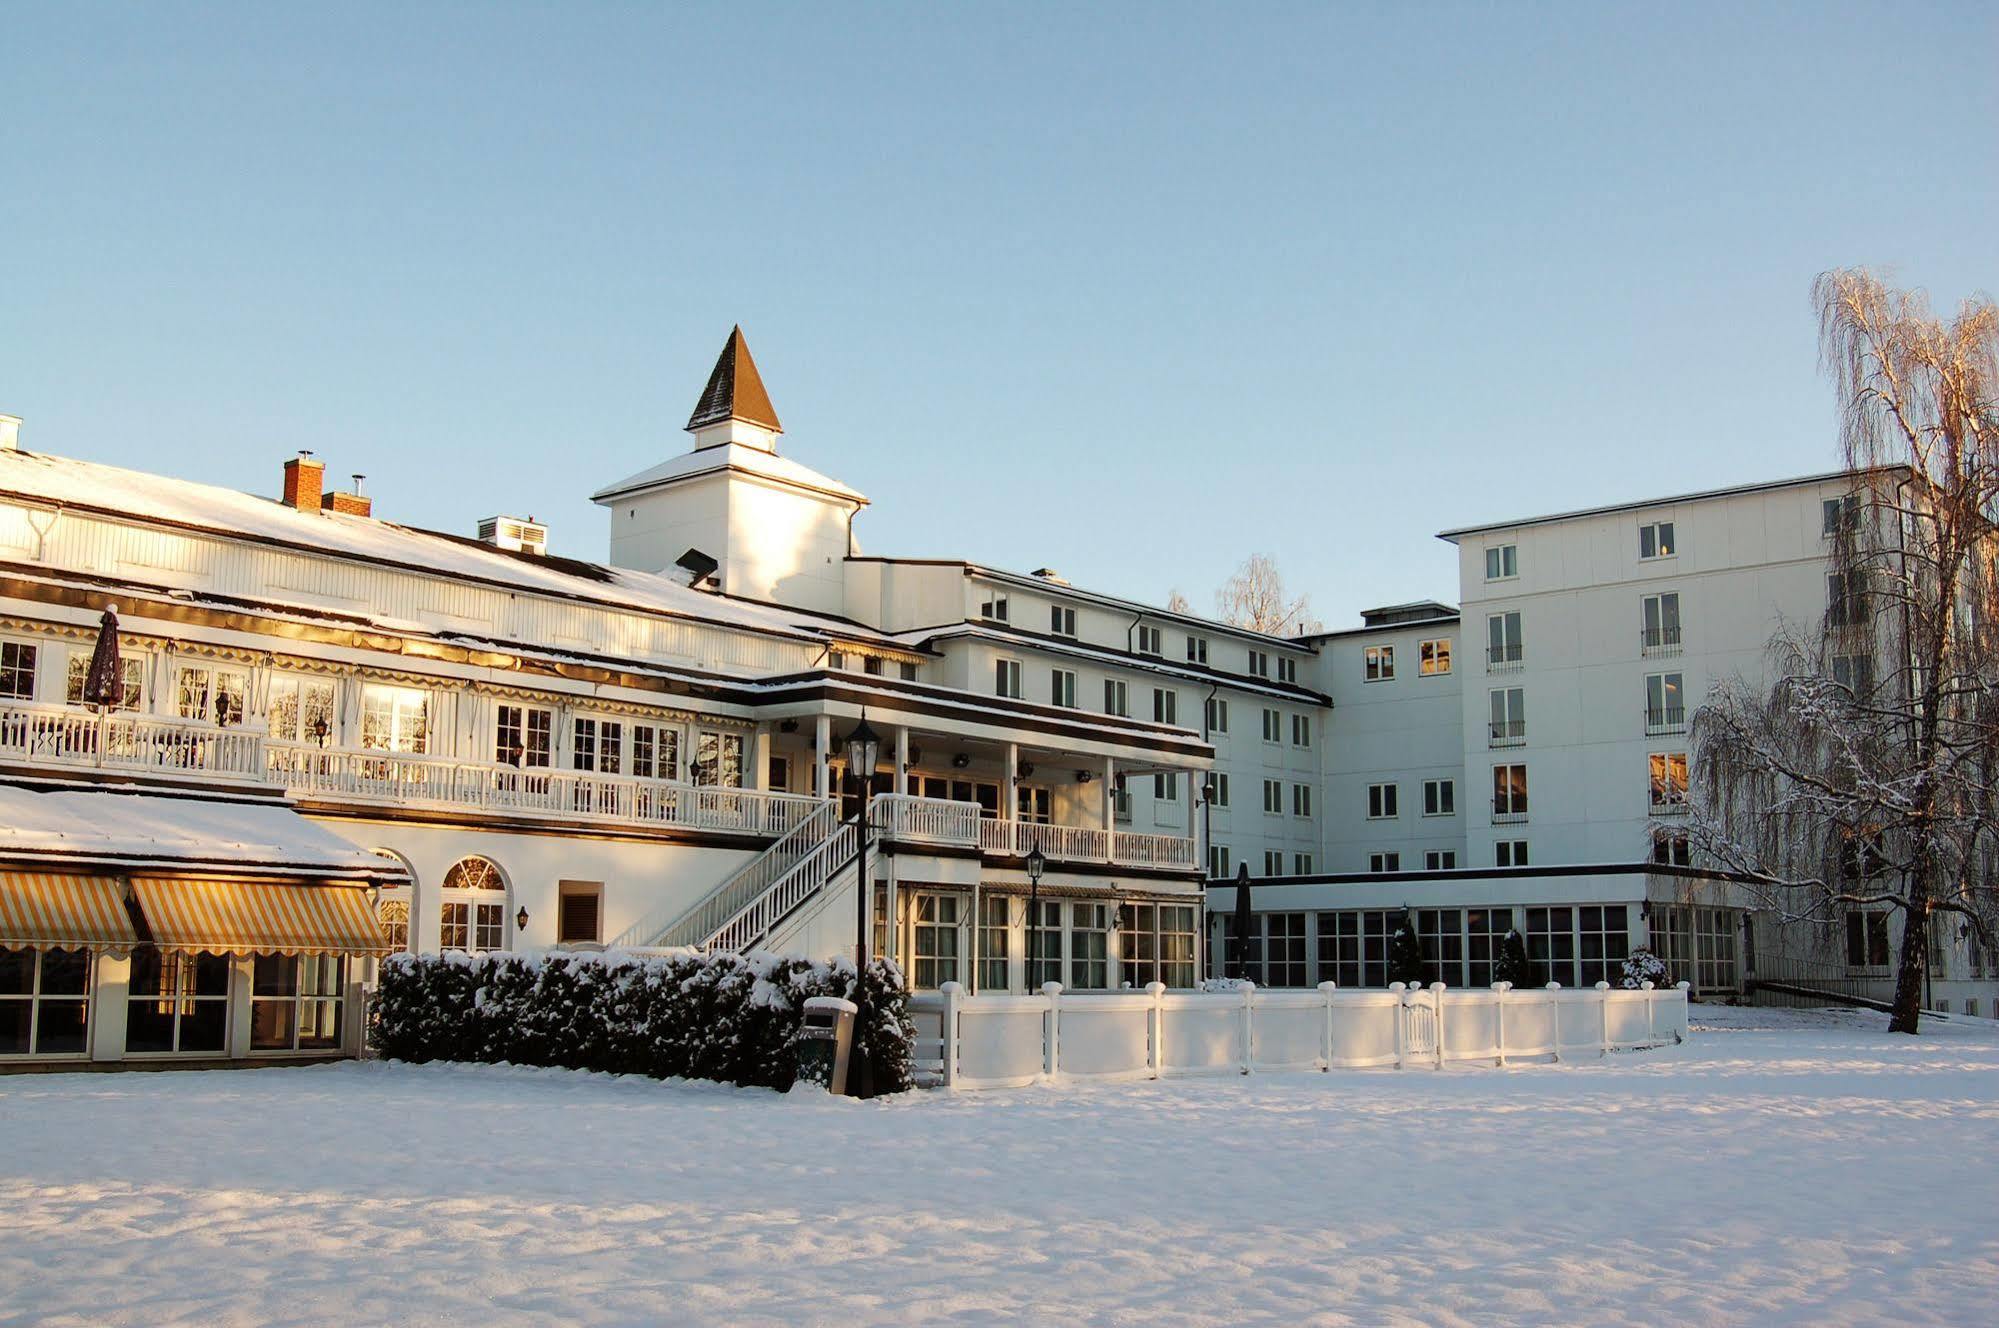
x=1037 y=863
x=863 y=750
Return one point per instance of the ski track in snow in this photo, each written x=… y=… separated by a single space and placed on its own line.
x=1784 y=1167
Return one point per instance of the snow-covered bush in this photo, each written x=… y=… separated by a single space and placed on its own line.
x=1644 y=966
x=728 y=1017
x=1224 y=984
x=1405 y=953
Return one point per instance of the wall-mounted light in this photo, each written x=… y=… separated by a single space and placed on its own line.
x=521 y=919
x=915 y=754
x=788 y=726
x=1027 y=769
x=961 y=760
x=1084 y=776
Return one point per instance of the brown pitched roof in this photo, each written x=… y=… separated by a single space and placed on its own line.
x=735 y=390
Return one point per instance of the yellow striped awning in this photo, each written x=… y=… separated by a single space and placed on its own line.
x=47 y=911
x=247 y=917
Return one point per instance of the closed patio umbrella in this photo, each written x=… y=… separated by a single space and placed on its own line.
x=1245 y=923
x=104 y=685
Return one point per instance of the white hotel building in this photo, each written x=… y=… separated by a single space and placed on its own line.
x=338 y=736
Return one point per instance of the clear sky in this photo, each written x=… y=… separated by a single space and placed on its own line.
x=1130 y=293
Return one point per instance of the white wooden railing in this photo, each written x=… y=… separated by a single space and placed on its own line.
x=401 y=777
x=698 y=924
x=819 y=869
x=65 y=735
x=915 y=820
x=1005 y=1041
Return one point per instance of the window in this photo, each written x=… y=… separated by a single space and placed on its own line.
x=17 y=671
x=1218 y=785
x=1867 y=939
x=1669 y=781
x=1284 y=950
x=995 y=607
x=1440 y=933
x=178 y=1002
x=1120 y=800
x=1659 y=624
x=1089 y=946
x=995 y=943
x=1502 y=562
x=836 y=660
x=1507 y=726
x=1510 y=853
x=1440 y=797
x=1273 y=862
x=1353 y=947
x=295 y=1002
x=579 y=913
x=132 y=683
x=1485 y=933
x=1655 y=540
x=1032 y=803
x=1287 y=671
x=1433 y=657
x=1378 y=663
x=1551 y=944
x=1603 y=940
x=474 y=907
x=1006 y=678
x=1855 y=673
x=906 y=671
x=1273 y=797
x=523 y=736
x=718 y=758
x=1301 y=864
x=1117 y=700
x=1062 y=688
x=1381 y=802
x=1148 y=640
x=1384 y=862
x=1502 y=640
x=1218 y=861
x=1509 y=793
x=1301 y=730
x=871 y=665
x=1840 y=516
x=1044 y=945
x=1158 y=943
x=1165 y=706
x=1665 y=703
x=44 y=1001
x=394 y=917
x=655 y=752
x=1197 y=650
x=934 y=939
x=1273 y=726
x=1061 y=620
x=300 y=710
x=1846 y=599
x=1259 y=663
x=394 y=719
x=1440 y=859
x=1218 y=714
x=1301 y=799
x=211 y=694
x=1670 y=848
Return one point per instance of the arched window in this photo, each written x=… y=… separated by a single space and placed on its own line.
x=395 y=904
x=474 y=913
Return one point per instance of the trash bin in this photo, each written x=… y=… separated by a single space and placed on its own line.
x=825 y=1040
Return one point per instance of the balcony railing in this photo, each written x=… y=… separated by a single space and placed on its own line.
x=926 y=820
x=402 y=777
x=938 y=821
x=1658 y=642
x=1506 y=733
x=1509 y=811
x=66 y=735
x=1669 y=802
x=1671 y=719
x=1503 y=659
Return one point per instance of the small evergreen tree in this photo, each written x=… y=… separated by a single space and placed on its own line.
x=1514 y=966
x=1405 y=952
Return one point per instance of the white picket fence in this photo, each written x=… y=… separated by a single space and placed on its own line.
x=1007 y=1041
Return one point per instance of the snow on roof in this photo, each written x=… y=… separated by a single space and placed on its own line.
x=133 y=494
x=167 y=831
x=727 y=456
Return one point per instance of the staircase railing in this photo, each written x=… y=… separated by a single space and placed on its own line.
x=694 y=924
x=819 y=869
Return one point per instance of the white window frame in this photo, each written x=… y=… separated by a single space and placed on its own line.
x=1663 y=539
x=1062 y=620
x=1384 y=802
x=1378 y=664
x=1301 y=730
x=1287 y=669
x=1301 y=800
x=1197 y=650
x=995 y=607
x=1006 y=678
x=1165 y=706
x=1433 y=657
x=1384 y=861
x=1117 y=698
x=1502 y=562
x=1273 y=725
x=1062 y=688
x=1273 y=797
x=1440 y=859
x=1149 y=642
x=1505 y=641
x=1440 y=797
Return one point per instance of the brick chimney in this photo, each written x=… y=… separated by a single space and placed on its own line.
x=352 y=504
x=305 y=483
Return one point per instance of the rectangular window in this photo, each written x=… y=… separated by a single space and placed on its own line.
x=1218 y=861
x=300 y=710
x=995 y=943
x=1382 y=802
x=1485 y=933
x=1509 y=793
x=872 y=665
x=1669 y=781
x=211 y=694
x=178 y=1002
x=718 y=759
x=1440 y=933
x=1301 y=799
x=1273 y=862
x=1503 y=644
x=934 y=940
x=1218 y=714
x=1301 y=730
x=1665 y=703
x=1273 y=726
x=1603 y=941
x=1840 y=516
x=1510 y=853
x=1117 y=699
x=1551 y=944
x=17 y=671
x=295 y=1002
x=1855 y=673
x=655 y=751
x=1273 y=797
x=1006 y=678
x=1218 y=784
x=395 y=719
x=1166 y=787
x=1062 y=688
x=1259 y=664
x=44 y=1002
x=1502 y=562
x=1301 y=864
x=1655 y=540
x=1089 y=946
x=1044 y=945
x=995 y=608
x=132 y=690
x=1445 y=859
x=1061 y=620
x=1433 y=657
x=579 y=913
x=1867 y=939
x=1659 y=624
x=1378 y=663
x=1353 y=947
x=1197 y=650
x=836 y=660
x=1440 y=797
x=1165 y=706
x=1846 y=599
x=1284 y=950
x=1287 y=671
x=1507 y=724
x=1384 y=862
x=1158 y=944
x=1148 y=640
x=524 y=736
x=1671 y=848
x=906 y=671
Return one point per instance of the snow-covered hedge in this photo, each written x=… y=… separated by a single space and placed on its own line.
x=728 y=1017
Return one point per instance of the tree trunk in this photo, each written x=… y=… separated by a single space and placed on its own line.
x=1913 y=962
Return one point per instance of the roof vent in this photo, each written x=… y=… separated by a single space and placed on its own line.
x=1050 y=575
x=514 y=534
x=10 y=433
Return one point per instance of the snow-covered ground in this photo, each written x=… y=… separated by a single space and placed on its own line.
x=1783 y=1167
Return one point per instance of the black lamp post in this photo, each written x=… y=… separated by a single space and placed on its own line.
x=1037 y=863
x=863 y=750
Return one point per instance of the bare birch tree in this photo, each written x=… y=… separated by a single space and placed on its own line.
x=1177 y=603
x=1863 y=777
x=1255 y=598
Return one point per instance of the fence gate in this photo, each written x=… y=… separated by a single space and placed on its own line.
x=1419 y=1024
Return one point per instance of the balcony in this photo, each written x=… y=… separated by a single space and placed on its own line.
x=73 y=737
x=1658 y=642
x=1668 y=802
x=1506 y=733
x=913 y=820
x=401 y=778
x=1670 y=719
x=1509 y=811
x=1504 y=659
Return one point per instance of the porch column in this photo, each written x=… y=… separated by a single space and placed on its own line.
x=1110 y=810
x=759 y=771
x=1010 y=795
x=902 y=760
x=822 y=745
